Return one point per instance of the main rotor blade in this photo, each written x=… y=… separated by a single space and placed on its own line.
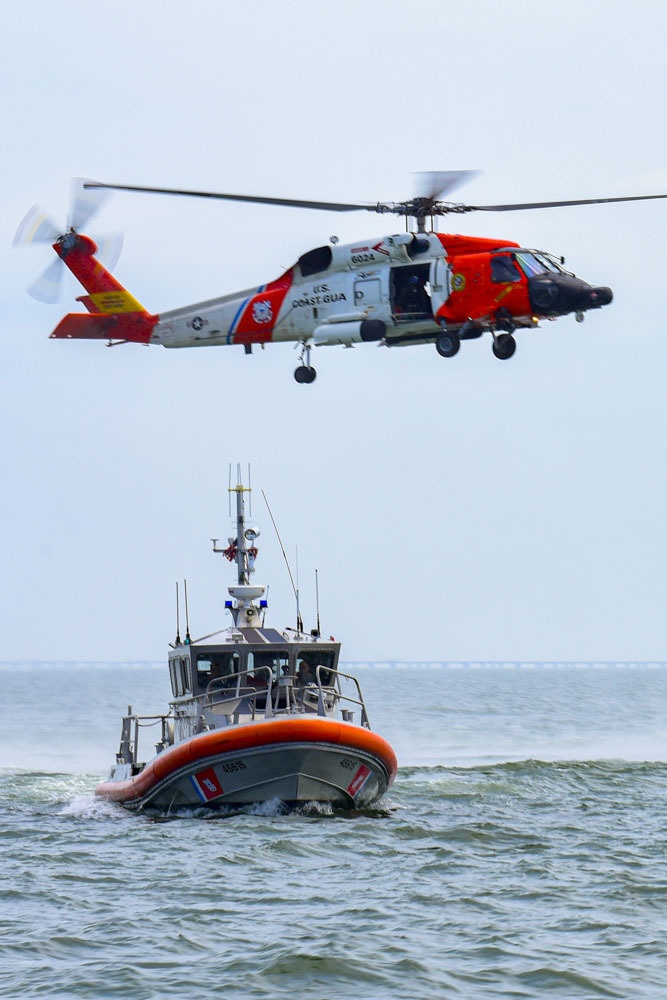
x=548 y=204
x=327 y=206
x=435 y=184
x=411 y=207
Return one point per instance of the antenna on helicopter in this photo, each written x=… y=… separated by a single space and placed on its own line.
x=299 y=623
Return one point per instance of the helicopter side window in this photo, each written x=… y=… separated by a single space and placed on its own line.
x=503 y=270
x=315 y=261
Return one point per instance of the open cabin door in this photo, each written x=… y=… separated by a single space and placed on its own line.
x=440 y=287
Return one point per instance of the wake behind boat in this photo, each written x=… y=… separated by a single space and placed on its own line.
x=257 y=714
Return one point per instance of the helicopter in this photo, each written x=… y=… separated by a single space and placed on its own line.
x=418 y=286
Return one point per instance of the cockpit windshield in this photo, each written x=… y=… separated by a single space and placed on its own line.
x=534 y=262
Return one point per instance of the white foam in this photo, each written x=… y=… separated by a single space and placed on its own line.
x=92 y=807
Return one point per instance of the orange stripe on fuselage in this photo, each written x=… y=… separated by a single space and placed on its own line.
x=259 y=317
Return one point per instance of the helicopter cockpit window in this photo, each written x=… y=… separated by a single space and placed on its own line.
x=531 y=264
x=503 y=269
x=551 y=263
x=315 y=261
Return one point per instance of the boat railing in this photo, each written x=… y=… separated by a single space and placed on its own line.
x=348 y=699
x=235 y=695
x=129 y=735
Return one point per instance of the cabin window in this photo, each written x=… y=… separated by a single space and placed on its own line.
x=184 y=672
x=315 y=261
x=221 y=667
x=261 y=662
x=173 y=677
x=417 y=245
x=307 y=662
x=503 y=270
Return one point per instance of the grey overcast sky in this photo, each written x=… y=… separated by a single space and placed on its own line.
x=454 y=509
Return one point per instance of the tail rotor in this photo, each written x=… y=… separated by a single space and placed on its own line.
x=38 y=227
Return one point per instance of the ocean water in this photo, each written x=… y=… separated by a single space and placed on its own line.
x=522 y=851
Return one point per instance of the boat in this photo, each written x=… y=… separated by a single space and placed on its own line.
x=258 y=715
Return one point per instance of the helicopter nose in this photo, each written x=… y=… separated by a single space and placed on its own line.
x=600 y=297
x=559 y=294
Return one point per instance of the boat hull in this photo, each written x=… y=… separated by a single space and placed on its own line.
x=295 y=760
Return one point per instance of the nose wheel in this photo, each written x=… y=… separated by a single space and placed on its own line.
x=304 y=374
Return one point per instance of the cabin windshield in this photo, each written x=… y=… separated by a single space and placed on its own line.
x=307 y=662
x=534 y=262
x=530 y=264
x=263 y=666
x=216 y=667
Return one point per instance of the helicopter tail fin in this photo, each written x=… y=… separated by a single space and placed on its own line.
x=113 y=313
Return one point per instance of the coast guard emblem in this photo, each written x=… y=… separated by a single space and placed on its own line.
x=262 y=312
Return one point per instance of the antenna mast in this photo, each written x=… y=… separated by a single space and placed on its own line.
x=242 y=551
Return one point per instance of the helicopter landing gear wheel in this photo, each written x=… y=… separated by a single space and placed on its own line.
x=305 y=374
x=504 y=346
x=447 y=344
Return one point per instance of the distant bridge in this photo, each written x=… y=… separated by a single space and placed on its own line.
x=352 y=665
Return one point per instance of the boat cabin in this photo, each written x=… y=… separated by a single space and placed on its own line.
x=254 y=672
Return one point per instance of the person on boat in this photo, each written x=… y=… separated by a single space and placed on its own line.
x=305 y=674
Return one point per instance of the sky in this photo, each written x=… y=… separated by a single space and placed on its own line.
x=455 y=509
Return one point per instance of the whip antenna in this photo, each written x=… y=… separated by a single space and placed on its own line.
x=317 y=604
x=282 y=549
x=299 y=620
x=187 y=619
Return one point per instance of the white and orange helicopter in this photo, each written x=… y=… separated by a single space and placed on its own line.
x=414 y=287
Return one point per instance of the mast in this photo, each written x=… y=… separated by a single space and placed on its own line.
x=242 y=568
x=242 y=551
